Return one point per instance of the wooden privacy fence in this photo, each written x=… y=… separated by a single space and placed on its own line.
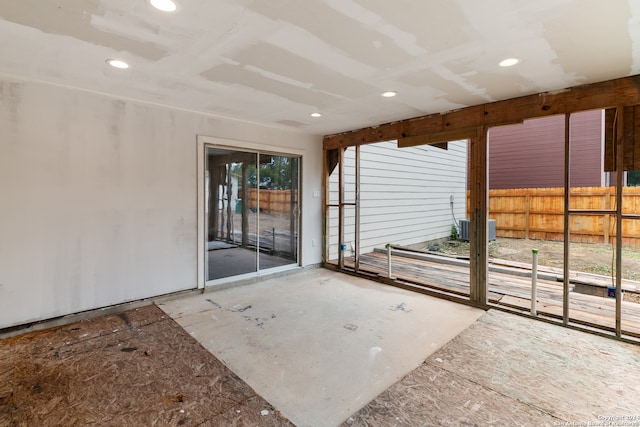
x=272 y=201
x=538 y=213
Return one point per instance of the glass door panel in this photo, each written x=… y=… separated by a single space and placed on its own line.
x=231 y=215
x=252 y=211
x=278 y=210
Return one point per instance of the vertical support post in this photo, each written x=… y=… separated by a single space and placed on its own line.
x=606 y=220
x=202 y=217
x=534 y=282
x=341 y=207
x=619 y=183
x=478 y=225
x=357 y=225
x=245 y=204
x=567 y=223
x=389 y=260
x=325 y=204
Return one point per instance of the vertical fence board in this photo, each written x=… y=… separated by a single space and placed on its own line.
x=537 y=213
x=271 y=201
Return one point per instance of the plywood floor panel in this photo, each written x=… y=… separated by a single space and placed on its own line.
x=431 y=396
x=510 y=370
x=134 y=368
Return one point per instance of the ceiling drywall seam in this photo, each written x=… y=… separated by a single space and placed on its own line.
x=343 y=33
x=301 y=42
x=525 y=41
x=73 y=19
x=152 y=103
x=404 y=40
x=608 y=40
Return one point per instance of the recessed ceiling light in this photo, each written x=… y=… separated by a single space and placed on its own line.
x=316 y=114
x=509 y=62
x=389 y=94
x=117 y=63
x=164 y=5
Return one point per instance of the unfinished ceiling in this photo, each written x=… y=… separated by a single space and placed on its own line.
x=277 y=61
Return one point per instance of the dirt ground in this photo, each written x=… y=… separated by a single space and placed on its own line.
x=585 y=257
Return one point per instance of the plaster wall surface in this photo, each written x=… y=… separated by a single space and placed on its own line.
x=99 y=202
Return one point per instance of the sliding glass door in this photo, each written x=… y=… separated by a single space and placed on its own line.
x=278 y=213
x=252 y=211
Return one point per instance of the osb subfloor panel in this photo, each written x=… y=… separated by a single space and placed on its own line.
x=131 y=369
x=509 y=370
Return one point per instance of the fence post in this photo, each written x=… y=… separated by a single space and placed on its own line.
x=527 y=209
x=534 y=282
x=606 y=221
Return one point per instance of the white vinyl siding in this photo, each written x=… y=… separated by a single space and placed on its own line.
x=405 y=194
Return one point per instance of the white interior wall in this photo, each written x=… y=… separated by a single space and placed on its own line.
x=99 y=198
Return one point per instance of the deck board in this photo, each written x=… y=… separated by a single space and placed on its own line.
x=513 y=291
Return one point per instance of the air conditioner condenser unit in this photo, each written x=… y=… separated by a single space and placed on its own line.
x=465 y=230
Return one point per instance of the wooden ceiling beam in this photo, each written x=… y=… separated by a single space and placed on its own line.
x=438 y=139
x=618 y=92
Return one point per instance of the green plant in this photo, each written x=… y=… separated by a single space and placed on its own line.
x=454 y=233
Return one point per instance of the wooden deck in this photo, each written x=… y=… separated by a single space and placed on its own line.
x=506 y=288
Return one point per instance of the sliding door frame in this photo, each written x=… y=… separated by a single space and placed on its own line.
x=202 y=143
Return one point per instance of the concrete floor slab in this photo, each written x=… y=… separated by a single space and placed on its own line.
x=320 y=345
